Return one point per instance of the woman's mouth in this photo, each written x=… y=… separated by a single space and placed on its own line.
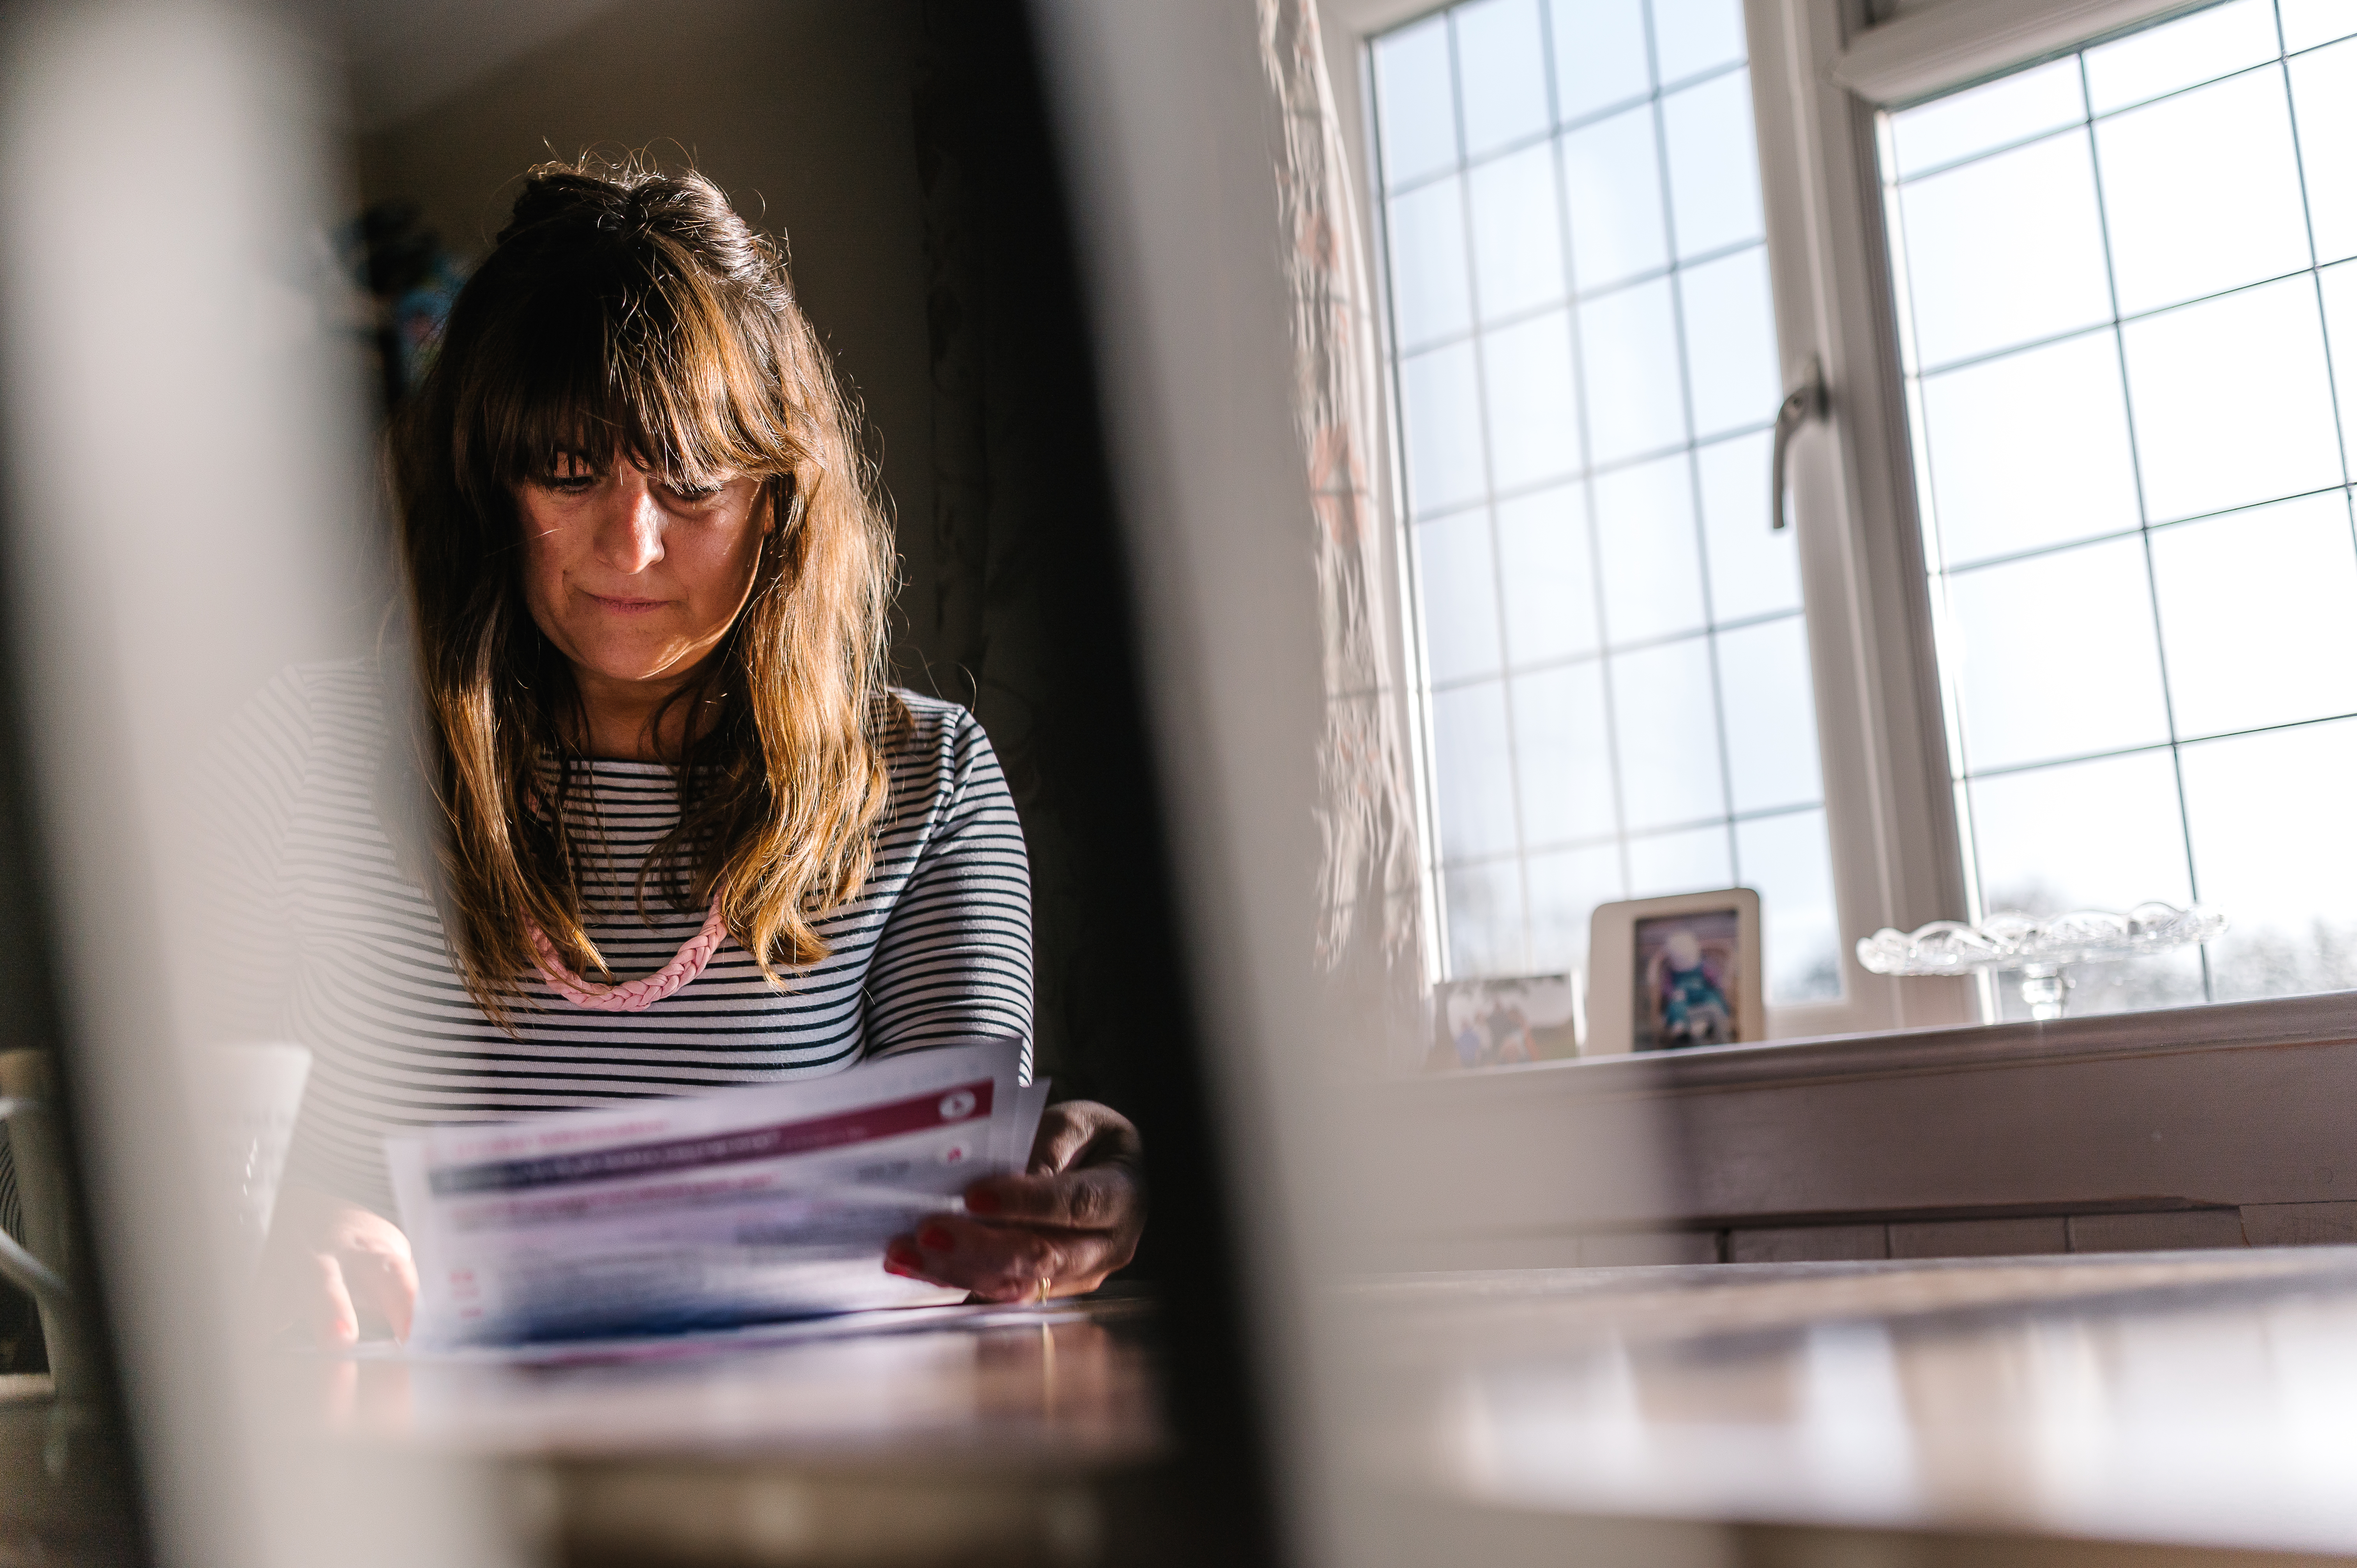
x=625 y=606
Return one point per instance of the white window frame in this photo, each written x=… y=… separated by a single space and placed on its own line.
x=1889 y=818
x=1890 y=809
x=1821 y=69
x=1821 y=72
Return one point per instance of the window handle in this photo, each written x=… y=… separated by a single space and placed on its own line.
x=1802 y=403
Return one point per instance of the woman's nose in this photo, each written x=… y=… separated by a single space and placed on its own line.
x=629 y=538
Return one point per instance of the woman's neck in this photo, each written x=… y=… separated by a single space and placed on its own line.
x=620 y=715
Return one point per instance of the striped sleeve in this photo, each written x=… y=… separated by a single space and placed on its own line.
x=954 y=961
x=249 y=782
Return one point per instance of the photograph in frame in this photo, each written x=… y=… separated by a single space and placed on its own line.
x=1502 y=1022
x=1675 y=973
x=1688 y=972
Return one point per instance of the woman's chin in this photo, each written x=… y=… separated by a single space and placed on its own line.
x=663 y=676
x=632 y=663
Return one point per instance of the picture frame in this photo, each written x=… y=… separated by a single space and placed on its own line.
x=1504 y=1021
x=1674 y=973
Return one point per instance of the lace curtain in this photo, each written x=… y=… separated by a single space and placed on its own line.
x=1369 y=868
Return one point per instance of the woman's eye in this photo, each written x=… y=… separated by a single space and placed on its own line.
x=568 y=475
x=693 y=495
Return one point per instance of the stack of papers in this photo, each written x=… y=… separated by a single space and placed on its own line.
x=766 y=1202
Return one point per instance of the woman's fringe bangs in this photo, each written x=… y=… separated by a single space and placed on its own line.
x=656 y=371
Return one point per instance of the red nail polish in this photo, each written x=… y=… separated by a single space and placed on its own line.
x=900 y=1253
x=983 y=1202
x=936 y=1238
x=891 y=1267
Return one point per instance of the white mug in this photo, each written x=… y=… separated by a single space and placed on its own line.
x=245 y=1099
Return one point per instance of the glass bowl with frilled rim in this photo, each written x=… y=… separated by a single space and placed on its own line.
x=2039 y=946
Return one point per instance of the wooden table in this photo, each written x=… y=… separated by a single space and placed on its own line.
x=2196 y=1408
x=2203 y=1399
x=965 y=1435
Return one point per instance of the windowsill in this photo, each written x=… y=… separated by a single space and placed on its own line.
x=2228 y=1105
x=2276 y=1021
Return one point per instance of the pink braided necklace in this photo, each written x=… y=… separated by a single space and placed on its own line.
x=632 y=995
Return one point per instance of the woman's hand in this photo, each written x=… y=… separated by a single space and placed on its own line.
x=332 y=1266
x=1072 y=1218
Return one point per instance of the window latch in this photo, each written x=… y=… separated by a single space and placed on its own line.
x=1801 y=404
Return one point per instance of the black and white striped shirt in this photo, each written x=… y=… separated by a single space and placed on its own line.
x=332 y=946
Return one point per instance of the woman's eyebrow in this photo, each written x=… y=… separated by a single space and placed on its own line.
x=681 y=478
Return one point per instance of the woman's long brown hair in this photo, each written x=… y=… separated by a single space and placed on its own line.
x=629 y=313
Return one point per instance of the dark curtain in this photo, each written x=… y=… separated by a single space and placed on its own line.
x=1023 y=613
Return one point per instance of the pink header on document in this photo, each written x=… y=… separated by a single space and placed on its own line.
x=937 y=1108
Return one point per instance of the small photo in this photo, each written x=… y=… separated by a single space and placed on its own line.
x=1688 y=977
x=1495 y=1023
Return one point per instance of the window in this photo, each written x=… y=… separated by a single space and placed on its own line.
x=2128 y=322
x=2075 y=545
x=1615 y=664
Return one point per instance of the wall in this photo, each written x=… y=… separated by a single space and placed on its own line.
x=800 y=109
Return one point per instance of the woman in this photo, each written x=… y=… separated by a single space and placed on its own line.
x=653 y=823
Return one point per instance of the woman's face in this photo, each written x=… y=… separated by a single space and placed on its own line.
x=632 y=579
